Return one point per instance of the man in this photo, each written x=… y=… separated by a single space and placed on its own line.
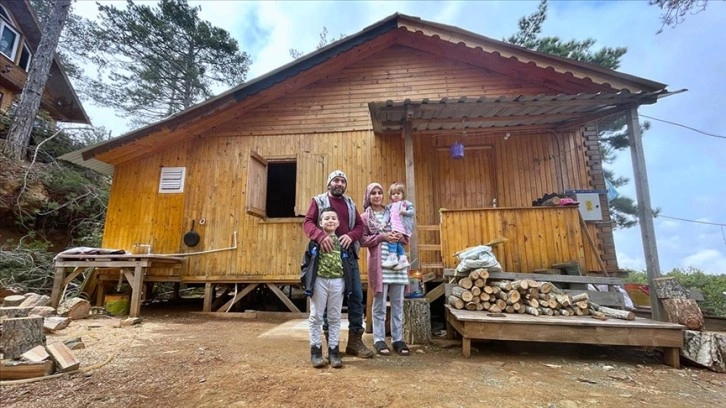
x=349 y=232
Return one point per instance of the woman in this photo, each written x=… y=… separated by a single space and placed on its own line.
x=383 y=281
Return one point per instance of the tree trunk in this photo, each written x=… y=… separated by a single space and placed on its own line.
x=416 y=321
x=20 y=335
x=705 y=348
x=18 y=137
x=75 y=308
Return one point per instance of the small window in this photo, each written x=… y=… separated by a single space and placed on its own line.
x=283 y=187
x=25 y=58
x=8 y=40
x=172 y=179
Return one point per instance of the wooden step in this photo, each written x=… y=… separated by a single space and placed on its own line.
x=429 y=247
x=432 y=265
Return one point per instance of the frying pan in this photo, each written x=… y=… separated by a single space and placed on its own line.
x=191 y=238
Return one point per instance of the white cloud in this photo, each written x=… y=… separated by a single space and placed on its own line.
x=708 y=260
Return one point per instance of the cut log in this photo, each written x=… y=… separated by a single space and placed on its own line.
x=533 y=284
x=483 y=273
x=63 y=357
x=466 y=283
x=34 y=299
x=485 y=305
x=476 y=291
x=42 y=311
x=547 y=311
x=20 y=370
x=520 y=284
x=509 y=309
x=495 y=309
x=563 y=312
x=75 y=308
x=545 y=287
x=617 y=313
x=502 y=295
x=470 y=306
x=705 y=348
x=479 y=283
x=416 y=321
x=685 y=312
x=532 y=302
x=36 y=354
x=13 y=300
x=501 y=304
x=20 y=334
x=670 y=288
x=455 y=302
x=505 y=286
x=14 y=311
x=462 y=293
x=531 y=310
x=53 y=323
x=474 y=275
x=580 y=297
x=532 y=293
x=583 y=304
x=487 y=289
x=479 y=306
x=598 y=315
x=564 y=300
x=513 y=297
x=75 y=343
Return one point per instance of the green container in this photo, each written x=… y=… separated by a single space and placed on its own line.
x=117 y=305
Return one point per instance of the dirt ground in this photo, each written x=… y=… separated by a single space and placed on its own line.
x=178 y=358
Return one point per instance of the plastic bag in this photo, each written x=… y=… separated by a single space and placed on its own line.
x=477 y=257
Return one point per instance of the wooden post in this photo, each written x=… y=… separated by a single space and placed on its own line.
x=208 y=297
x=60 y=274
x=410 y=182
x=136 y=285
x=645 y=210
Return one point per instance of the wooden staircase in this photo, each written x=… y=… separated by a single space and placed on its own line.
x=429 y=249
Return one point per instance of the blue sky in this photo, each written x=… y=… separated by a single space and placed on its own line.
x=685 y=169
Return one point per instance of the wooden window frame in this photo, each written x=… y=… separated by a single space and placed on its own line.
x=306 y=187
x=25 y=48
x=14 y=49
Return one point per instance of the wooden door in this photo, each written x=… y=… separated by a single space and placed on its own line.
x=469 y=182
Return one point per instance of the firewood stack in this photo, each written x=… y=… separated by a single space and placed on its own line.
x=528 y=296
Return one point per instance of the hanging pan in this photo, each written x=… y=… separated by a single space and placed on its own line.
x=191 y=238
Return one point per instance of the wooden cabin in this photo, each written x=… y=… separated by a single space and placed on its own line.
x=385 y=104
x=19 y=38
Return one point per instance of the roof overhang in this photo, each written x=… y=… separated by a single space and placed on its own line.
x=508 y=112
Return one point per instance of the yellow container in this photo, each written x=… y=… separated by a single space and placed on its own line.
x=117 y=305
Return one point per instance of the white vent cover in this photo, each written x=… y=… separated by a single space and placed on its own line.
x=172 y=179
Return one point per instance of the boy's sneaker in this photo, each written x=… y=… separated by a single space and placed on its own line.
x=402 y=263
x=390 y=262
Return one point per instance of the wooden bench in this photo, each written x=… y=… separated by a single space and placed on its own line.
x=565 y=329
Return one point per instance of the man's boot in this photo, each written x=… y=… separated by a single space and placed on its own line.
x=334 y=357
x=355 y=346
x=316 y=356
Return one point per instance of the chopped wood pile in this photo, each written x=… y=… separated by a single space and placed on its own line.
x=24 y=322
x=528 y=296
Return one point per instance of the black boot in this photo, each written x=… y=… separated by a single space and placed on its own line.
x=355 y=346
x=334 y=356
x=316 y=356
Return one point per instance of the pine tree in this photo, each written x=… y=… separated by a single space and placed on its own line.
x=154 y=61
x=613 y=135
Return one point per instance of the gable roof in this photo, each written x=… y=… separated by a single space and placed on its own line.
x=67 y=107
x=573 y=76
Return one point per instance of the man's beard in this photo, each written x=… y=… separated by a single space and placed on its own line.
x=337 y=192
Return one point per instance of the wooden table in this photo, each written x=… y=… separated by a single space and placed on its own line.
x=566 y=329
x=132 y=267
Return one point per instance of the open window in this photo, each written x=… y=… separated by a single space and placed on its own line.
x=282 y=187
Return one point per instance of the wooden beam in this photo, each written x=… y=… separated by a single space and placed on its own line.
x=437 y=292
x=645 y=210
x=410 y=187
x=283 y=298
x=238 y=297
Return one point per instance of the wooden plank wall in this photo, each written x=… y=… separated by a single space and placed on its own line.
x=329 y=117
x=537 y=236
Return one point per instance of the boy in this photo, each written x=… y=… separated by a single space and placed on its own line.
x=324 y=277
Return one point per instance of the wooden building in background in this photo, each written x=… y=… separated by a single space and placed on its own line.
x=384 y=105
x=19 y=38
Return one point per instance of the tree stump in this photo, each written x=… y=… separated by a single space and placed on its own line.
x=13 y=300
x=75 y=308
x=416 y=321
x=14 y=311
x=34 y=299
x=705 y=348
x=685 y=312
x=20 y=335
x=670 y=288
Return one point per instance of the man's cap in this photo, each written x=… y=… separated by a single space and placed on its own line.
x=336 y=173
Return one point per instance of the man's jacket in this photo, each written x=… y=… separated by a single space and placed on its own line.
x=309 y=267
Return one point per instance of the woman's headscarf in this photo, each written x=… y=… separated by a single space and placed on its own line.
x=372 y=222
